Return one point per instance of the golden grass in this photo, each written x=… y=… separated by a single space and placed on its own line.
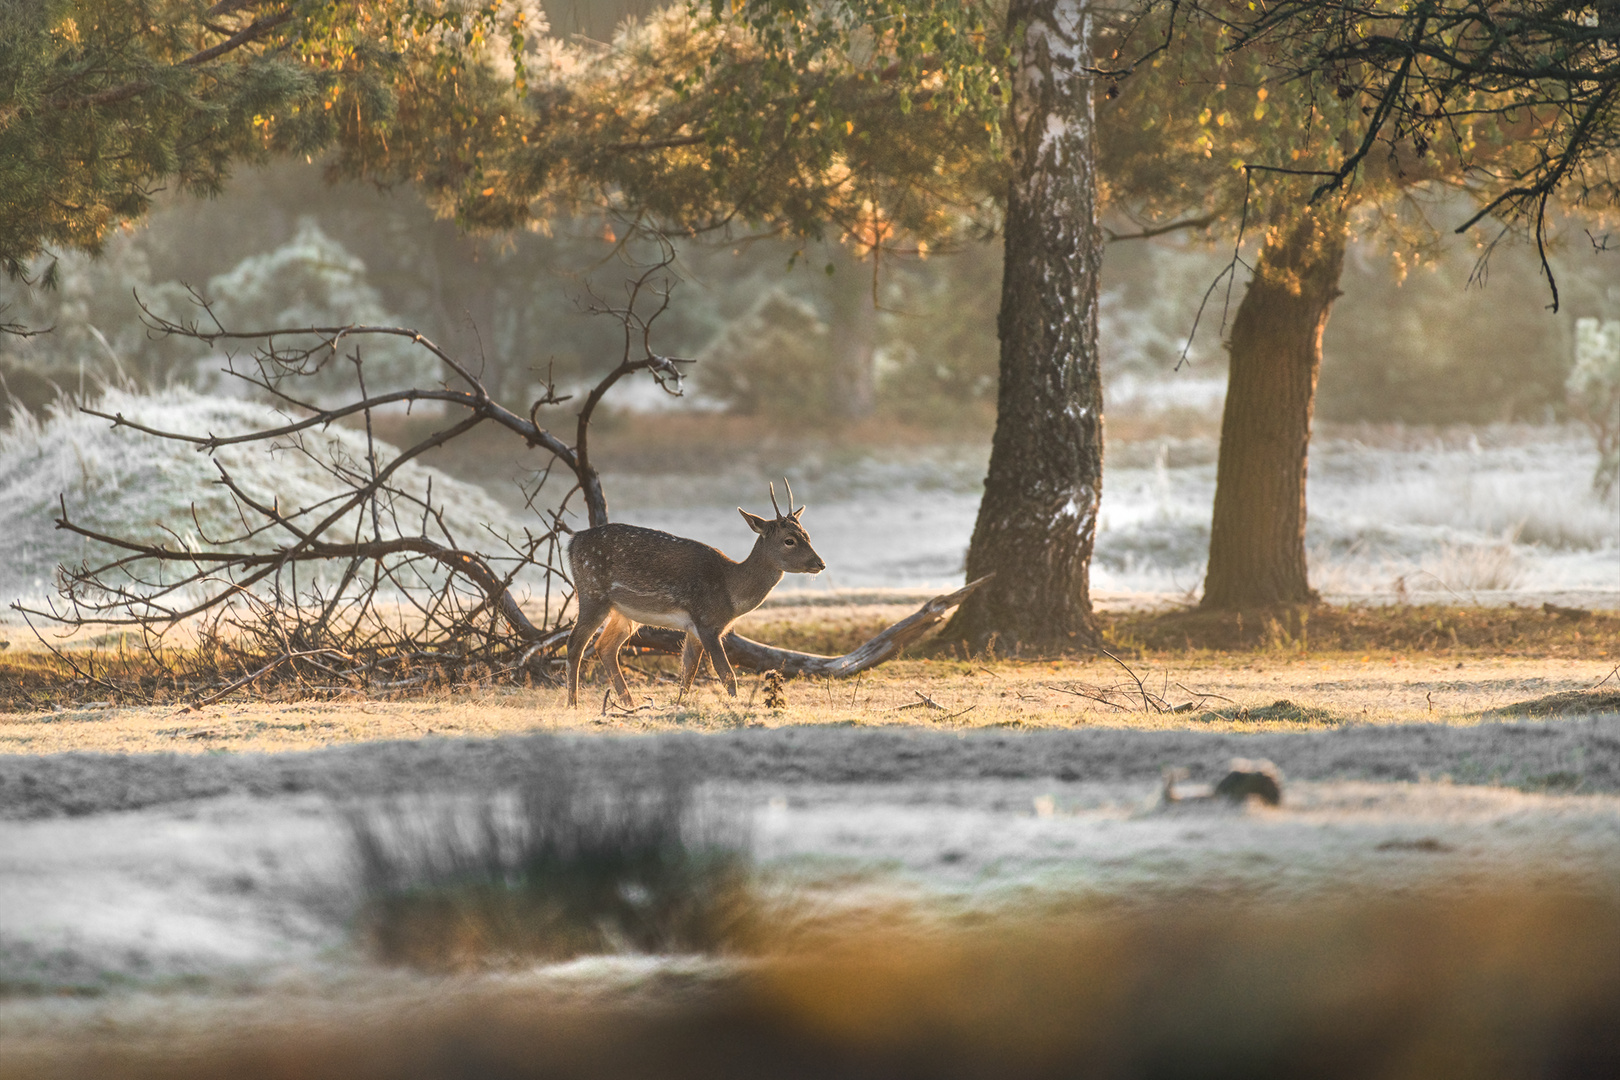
x=1279 y=670
x=1431 y=629
x=1255 y=693
x=1436 y=630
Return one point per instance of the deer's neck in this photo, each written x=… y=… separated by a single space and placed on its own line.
x=755 y=577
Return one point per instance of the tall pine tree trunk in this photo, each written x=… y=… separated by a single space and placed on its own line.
x=1038 y=519
x=1257 y=538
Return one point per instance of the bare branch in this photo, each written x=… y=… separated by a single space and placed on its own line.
x=1204 y=222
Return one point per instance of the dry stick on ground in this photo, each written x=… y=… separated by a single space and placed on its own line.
x=1155 y=702
x=608 y=703
x=1086 y=694
x=255 y=676
x=1139 y=685
x=1202 y=695
x=923 y=702
x=1149 y=700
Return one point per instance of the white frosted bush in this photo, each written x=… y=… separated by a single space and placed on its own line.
x=312 y=280
x=125 y=483
x=1594 y=391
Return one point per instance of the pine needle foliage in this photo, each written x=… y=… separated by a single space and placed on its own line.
x=103 y=103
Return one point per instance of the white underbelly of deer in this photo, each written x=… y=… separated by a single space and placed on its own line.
x=649 y=615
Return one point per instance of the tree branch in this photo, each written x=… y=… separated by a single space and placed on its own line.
x=1204 y=222
x=247 y=35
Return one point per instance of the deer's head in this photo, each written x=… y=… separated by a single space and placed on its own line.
x=782 y=539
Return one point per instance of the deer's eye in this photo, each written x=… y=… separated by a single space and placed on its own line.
x=790 y=542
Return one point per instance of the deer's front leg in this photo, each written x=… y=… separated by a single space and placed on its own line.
x=717 y=657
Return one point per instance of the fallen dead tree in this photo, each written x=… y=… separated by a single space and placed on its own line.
x=756 y=656
x=372 y=588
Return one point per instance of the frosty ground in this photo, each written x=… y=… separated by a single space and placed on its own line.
x=152 y=899
x=210 y=844
x=175 y=879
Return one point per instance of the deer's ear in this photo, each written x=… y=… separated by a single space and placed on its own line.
x=754 y=522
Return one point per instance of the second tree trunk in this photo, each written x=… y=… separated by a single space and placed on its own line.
x=1257 y=536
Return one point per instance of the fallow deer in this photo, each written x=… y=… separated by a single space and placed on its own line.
x=625 y=575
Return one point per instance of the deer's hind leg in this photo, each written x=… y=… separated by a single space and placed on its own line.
x=592 y=613
x=615 y=633
x=691 y=661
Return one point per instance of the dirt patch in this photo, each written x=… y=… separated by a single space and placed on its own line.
x=1239 y=694
x=1576 y=754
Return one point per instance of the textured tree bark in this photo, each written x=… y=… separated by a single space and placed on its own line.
x=1257 y=537
x=1037 y=521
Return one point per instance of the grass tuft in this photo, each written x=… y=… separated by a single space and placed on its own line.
x=1283 y=711
x=1565 y=703
x=569 y=865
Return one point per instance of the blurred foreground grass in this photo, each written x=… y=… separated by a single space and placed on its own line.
x=1495 y=986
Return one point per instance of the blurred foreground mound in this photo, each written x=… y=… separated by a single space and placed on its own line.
x=1484 y=986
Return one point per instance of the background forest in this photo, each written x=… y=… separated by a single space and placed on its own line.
x=1446 y=457
x=1416 y=338
x=1448 y=452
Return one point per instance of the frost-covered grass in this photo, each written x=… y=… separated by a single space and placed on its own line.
x=1462 y=515
x=122 y=482
x=1134 y=395
x=1465 y=516
x=1031 y=888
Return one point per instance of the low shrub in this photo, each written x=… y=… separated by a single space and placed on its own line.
x=572 y=864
